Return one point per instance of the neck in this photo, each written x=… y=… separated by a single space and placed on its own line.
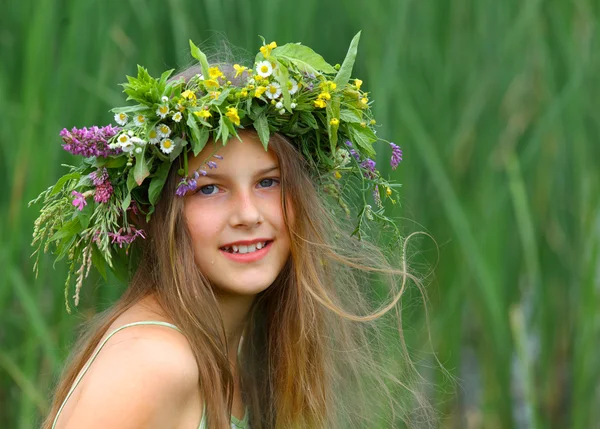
x=234 y=310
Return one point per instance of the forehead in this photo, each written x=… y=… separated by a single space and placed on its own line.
x=246 y=153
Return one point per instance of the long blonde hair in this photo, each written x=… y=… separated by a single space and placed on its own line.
x=316 y=351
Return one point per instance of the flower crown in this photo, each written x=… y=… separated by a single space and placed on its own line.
x=290 y=90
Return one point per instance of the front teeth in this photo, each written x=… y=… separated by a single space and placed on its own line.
x=245 y=249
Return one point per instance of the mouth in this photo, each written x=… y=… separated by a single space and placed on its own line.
x=247 y=253
x=245 y=249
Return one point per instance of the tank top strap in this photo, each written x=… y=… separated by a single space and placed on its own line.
x=95 y=354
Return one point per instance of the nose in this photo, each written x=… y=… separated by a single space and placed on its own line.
x=246 y=210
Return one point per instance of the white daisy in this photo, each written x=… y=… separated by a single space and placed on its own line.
x=282 y=111
x=123 y=139
x=162 y=111
x=177 y=116
x=279 y=105
x=130 y=133
x=153 y=136
x=292 y=86
x=127 y=147
x=163 y=130
x=273 y=90
x=121 y=118
x=165 y=99
x=167 y=145
x=138 y=141
x=138 y=150
x=264 y=68
x=139 y=120
x=293 y=105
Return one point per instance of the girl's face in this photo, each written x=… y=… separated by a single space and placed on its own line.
x=234 y=212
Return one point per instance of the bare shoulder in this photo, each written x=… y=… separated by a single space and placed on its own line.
x=145 y=376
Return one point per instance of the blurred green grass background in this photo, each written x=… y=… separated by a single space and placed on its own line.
x=495 y=104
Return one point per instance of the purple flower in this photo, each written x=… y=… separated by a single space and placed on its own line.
x=182 y=188
x=396 y=156
x=211 y=164
x=99 y=176
x=369 y=165
x=104 y=188
x=186 y=185
x=126 y=237
x=218 y=156
x=203 y=172
x=90 y=142
x=352 y=151
x=103 y=192
x=79 y=200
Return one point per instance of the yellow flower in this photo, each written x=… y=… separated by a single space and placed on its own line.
x=211 y=84
x=244 y=93
x=215 y=94
x=232 y=114
x=373 y=122
x=324 y=96
x=337 y=174
x=334 y=121
x=364 y=100
x=188 y=94
x=215 y=73
x=203 y=113
x=320 y=103
x=260 y=90
x=239 y=69
x=388 y=191
x=363 y=124
x=357 y=83
x=328 y=85
x=266 y=49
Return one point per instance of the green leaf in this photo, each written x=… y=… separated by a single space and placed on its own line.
x=163 y=78
x=333 y=111
x=304 y=58
x=61 y=182
x=351 y=115
x=200 y=56
x=140 y=169
x=345 y=71
x=363 y=137
x=99 y=262
x=129 y=109
x=126 y=201
x=179 y=144
x=199 y=135
x=68 y=229
x=223 y=130
x=116 y=162
x=283 y=76
x=261 y=125
x=158 y=181
x=131 y=182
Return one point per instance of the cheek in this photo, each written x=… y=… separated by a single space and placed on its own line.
x=201 y=225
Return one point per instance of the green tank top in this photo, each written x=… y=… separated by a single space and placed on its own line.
x=235 y=423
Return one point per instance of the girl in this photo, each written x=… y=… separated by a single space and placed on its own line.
x=250 y=302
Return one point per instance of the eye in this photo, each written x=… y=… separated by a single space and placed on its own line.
x=268 y=183
x=208 y=190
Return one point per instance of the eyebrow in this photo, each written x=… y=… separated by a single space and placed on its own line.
x=258 y=173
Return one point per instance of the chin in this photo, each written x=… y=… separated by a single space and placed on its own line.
x=237 y=287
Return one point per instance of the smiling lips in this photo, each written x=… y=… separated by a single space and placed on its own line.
x=246 y=252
